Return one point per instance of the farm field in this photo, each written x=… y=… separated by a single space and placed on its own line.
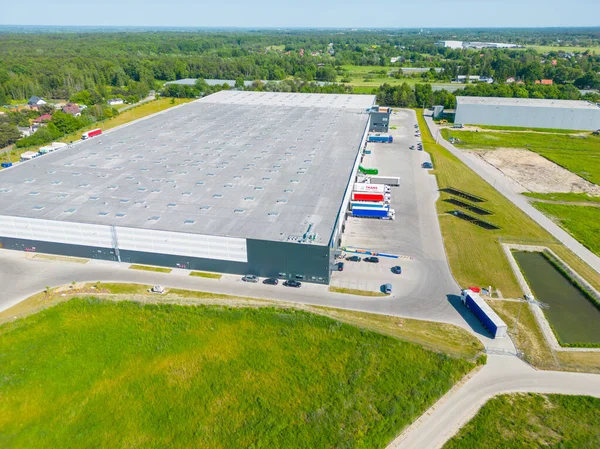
x=134 y=374
x=580 y=154
x=528 y=421
x=582 y=222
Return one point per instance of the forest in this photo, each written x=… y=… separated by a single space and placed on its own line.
x=90 y=66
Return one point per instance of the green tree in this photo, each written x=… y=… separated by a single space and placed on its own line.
x=9 y=134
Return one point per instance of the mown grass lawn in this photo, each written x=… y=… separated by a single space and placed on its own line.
x=578 y=154
x=475 y=254
x=582 y=222
x=529 y=421
x=92 y=373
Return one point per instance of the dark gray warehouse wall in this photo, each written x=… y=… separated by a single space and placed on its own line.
x=288 y=260
x=309 y=263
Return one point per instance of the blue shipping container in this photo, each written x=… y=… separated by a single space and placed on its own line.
x=381 y=139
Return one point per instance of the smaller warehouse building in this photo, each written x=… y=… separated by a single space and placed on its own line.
x=528 y=113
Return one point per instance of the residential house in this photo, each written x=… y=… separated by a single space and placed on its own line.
x=72 y=109
x=544 y=82
x=36 y=102
x=510 y=80
x=115 y=101
x=42 y=118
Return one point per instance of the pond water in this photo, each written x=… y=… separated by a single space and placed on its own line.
x=574 y=318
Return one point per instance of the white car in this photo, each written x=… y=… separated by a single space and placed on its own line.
x=158 y=289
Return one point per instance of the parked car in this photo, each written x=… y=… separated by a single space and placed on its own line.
x=250 y=278
x=387 y=289
x=397 y=269
x=353 y=259
x=271 y=281
x=340 y=266
x=157 y=289
x=426 y=165
x=420 y=148
x=371 y=259
x=295 y=284
x=412 y=147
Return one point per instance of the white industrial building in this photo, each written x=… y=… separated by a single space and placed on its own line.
x=528 y=113
x=236 y=182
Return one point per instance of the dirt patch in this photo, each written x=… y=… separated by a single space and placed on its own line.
x=534 y=173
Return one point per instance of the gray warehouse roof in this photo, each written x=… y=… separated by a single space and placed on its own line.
x=528 y=102
x=241 y=164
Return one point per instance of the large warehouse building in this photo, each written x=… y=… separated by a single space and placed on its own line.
x=237 y=182
x=528 y=113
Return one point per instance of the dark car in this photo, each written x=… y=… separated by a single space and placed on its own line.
x=426 y=165
x=412 y=147
x=371 y=259
x=271 y=281
x=397 y=269
x=340 y=266
x=250 y=278
x=292 y=284
x=353 y=259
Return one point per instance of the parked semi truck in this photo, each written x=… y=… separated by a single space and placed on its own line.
x=376 y=188
x=490 y=319
x=368 y=171
x=381 y=138
x=389 y=180
x=89 y=134
x=370 y=196
x=384 y=213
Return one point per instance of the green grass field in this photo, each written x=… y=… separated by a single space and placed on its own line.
x=121 y=374
x=582 y=222
x=540 y=130
x=568 y=48
x=567 y=197
x=529 y=421
x=578 y=154
x=365 y=78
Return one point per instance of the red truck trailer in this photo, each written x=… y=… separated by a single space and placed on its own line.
x=369 y=196
x=93 y=133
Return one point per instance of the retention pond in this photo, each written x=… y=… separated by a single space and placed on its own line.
x=572 y=315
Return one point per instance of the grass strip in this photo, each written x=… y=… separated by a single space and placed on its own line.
x=203 y=274
x=353 y=291
x=149 y=268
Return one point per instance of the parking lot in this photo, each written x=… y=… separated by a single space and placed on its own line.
x=422 y=288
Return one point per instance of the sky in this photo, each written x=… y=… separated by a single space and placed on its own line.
x=307 y=13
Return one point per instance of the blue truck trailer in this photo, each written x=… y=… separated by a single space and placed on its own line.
x=384 y=213
x=490 y=319
x=380 y=138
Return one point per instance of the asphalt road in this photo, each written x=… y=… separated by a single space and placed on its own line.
x=503 y=184
x=502 y=374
